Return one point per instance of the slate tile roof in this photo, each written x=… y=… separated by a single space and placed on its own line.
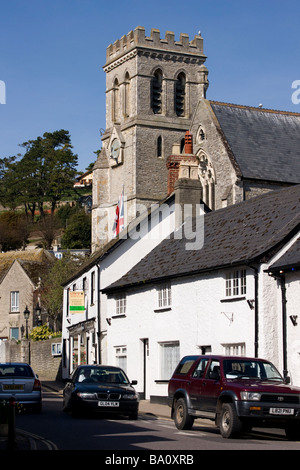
x=237 y=235
x=265 y=143
x=291 y=259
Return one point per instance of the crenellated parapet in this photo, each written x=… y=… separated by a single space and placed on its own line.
x=137 y=39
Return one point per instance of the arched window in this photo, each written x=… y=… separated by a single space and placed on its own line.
x=159 y=147
x=156 y=92
x=127 y=95
x=116 y=102
x=180 y=95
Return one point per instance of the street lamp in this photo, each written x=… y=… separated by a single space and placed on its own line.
x=38 y=313
x=26 y=315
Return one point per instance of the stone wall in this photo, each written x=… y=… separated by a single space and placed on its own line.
x=37 y=353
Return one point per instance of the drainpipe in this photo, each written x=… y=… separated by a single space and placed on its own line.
x=284 y=333
x=256 y=313
x=99 y=318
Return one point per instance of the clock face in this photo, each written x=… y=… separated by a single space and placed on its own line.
x=115 y=148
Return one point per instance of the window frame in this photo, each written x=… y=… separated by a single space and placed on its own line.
x=15 y=306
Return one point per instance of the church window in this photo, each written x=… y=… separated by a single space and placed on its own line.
x=180 y=95
x=116 y=101
x=159 y=147
x=156 y=98
x=127 y=95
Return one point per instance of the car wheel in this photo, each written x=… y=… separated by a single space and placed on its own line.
x=230 y=424
x=181 y=417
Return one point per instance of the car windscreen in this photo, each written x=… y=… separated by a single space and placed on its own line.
x=101 y=375
x=15 y=370
x=240 y=368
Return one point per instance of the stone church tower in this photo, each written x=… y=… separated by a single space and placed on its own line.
x=152 y=88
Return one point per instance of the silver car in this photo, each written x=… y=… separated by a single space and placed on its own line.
x=18 y=380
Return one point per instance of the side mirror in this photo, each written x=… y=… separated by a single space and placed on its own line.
x=287 y=380
x=134 y=382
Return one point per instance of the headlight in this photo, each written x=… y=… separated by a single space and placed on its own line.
x=252 y=396
x=130 y=396
x=87 y=396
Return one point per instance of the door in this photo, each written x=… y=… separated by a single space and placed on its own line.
x=145 y=342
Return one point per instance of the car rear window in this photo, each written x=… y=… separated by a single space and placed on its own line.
x=12 y=370
x=185 y=365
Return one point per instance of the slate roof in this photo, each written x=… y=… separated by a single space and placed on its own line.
x=265 y=143
x=240 y=234
x=291 y=259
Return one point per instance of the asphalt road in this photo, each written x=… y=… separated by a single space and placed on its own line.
x=55 y=430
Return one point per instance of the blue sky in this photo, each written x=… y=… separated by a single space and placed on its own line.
x=52 y=53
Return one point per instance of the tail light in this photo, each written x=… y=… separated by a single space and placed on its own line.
x=37 y=385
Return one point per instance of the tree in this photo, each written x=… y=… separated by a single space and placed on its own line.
x=45 y=173
x=78 y=231
x=14 y=231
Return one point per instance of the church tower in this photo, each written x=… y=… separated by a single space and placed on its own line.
x=152 y=88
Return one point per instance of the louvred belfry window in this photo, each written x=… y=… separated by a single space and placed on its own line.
x=157 y=92
x=180 y=95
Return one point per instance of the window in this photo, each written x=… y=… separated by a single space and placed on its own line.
x=14 y=301
x=159 y=147
x=127 y=95
x=121 y=305
x=164 y=296
x=92 y=287
x=234 y=349
x=235 y=283
x=116 y=101
x=14 y=333
x=180 y=95
x=170 y=356
x=156 y=95
x=121 y=357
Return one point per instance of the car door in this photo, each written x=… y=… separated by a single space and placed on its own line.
x=210 y=387
x=195 y=383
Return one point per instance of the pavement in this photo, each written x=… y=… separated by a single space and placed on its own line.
x=22 y=440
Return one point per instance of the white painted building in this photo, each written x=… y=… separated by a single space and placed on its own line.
x=220 y=299
x=84 y=333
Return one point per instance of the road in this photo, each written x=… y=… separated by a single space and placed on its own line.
x=60 y=431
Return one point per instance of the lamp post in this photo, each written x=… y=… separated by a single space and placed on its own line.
x=38 y=313
x=26 y=316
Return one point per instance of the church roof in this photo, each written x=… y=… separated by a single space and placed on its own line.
x=265 y=143
x=243 y=233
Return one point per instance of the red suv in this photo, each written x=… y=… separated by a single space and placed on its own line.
x=237 y=393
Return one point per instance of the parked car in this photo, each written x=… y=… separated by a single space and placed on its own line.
x=237 y=393
x=18 y=380
x=105 y=389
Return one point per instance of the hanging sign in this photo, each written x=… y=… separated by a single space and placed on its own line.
x=76 y=301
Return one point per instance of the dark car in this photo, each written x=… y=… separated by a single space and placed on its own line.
x=238 y=393
x=18 y=380
x=104 y=389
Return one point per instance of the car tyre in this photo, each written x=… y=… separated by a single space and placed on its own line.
x=181 y=417
x=230 y=424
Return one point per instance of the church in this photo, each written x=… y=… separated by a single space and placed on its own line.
x=156 y=92
x=148 y=299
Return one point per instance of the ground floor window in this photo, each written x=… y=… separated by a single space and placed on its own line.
x=121 y=357
x=169 y=358
x=234 y=349
x=14 y=333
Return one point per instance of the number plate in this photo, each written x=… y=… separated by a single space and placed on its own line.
x=281 y=411
x=108 y=403
x=13 y=387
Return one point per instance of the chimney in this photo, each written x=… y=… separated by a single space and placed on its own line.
x=182 y=161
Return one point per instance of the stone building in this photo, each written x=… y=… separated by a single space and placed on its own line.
x=20 y=276
x=155 y=93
